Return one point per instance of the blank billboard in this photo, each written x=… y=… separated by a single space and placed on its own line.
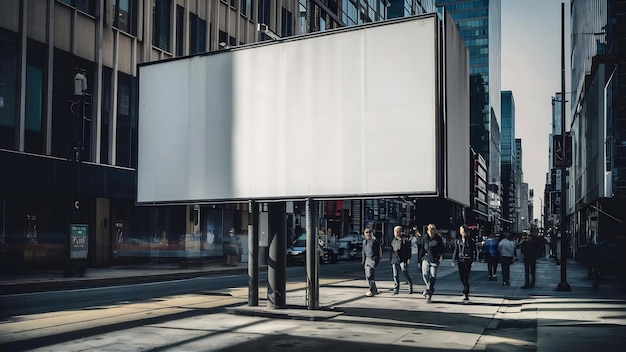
x=347 y=113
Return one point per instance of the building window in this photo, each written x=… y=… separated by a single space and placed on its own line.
x=126 y=133
x=8 y=88
x=246 y=8
x=180 y=29
x=161 y=24
x=286 y=28
x=125 y=15
x=86 y=6
x=264 y=12
x=197 y=34
x=34 y=110
x=106 y=115
x=34 y=121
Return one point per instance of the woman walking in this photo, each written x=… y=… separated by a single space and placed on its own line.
x=464 y=252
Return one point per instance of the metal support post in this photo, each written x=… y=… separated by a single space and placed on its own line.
x=563 y=285
x=277 y=261
x=312 y=255
x=253 y=253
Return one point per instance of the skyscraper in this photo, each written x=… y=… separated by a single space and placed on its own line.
x=510 y=176
x=596 y=193
x=479 y=22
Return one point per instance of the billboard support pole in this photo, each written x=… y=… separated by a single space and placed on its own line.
x=312 y=257
x=253 y=254
x=277 y=262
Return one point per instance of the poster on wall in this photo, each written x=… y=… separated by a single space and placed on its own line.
x=78 y=241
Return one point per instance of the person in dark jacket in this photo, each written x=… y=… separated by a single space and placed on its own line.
x=530 y=251
x=431 y=252
x=464 y=253
x=400 y=258
x=490 y=250
x=371 y=253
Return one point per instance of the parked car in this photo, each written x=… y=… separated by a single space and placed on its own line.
x=296 y=254
x=349 y=247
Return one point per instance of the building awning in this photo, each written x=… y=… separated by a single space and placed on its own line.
x=505 y=220
x=480 y=215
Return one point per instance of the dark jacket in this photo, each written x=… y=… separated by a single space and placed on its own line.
x=464 y=252
x=530 y=249
x=432 y=248
x=371 y=252
x=400 y=250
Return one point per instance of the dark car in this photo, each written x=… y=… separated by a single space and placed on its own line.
x=296 y=254
x=348 y=247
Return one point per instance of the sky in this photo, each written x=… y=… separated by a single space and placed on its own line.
x=531 y=69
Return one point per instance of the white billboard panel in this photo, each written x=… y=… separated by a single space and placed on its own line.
x=349 y=113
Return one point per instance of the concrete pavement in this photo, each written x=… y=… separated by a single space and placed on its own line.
x=498 y=318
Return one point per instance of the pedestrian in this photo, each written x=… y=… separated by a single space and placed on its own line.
x=530 y=251
x=371 y=253
x=464 y=252
x=399 y=258
x=506 y=247
x=490 y=251
x=231 y=248
x=415 y=250
x=432 y=249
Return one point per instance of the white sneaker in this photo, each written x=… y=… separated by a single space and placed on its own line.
x=368 y=294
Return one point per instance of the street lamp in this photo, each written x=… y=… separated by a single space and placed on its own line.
x=78 y=233
x=541 y=217
x=563 y=285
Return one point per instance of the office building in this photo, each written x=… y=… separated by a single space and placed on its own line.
x=68 y=121
x=479 y=23
x=596 y=191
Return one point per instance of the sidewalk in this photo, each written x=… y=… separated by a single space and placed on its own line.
x=498 y=318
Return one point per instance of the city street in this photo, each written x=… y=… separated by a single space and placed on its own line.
x=210 y=313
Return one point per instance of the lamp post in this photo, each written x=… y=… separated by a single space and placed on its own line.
x=78 y=233
x=541 y=218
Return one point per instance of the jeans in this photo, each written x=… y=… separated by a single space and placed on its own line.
x=506 y=268
x=530 y=265
x=492 y=265
x=429 y=274
x=370 y=274
x=464 y=272
x=395 y=269
x=416 y=262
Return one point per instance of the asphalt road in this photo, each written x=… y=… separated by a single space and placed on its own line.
x=36 y=320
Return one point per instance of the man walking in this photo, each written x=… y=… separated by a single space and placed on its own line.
x=371 y=253
x=506 y=247
x=432 y=249
x=529 y=250
x=400 y=255
x=490 y=249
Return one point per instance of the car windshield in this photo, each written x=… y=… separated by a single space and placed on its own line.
x=301 y=241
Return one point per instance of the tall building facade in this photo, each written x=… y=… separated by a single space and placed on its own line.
x=479 y=23
x=321 y=15
x=523 y=209
x=509 y=166
x=68 y=121
x=596 y=192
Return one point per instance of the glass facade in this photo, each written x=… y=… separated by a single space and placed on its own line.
x=479 y=22
x=510 y=177
x=596 y=180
